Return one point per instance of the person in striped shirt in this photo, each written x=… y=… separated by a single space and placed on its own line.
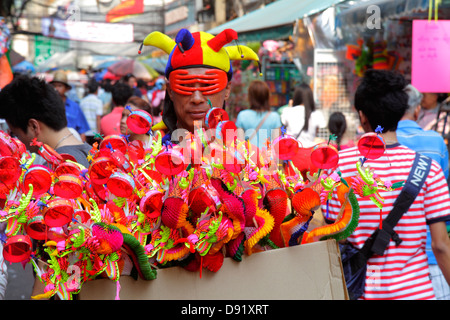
x=431 y=144
x=402 y=271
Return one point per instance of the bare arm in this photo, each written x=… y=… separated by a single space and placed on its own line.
x=440 y=243
x=98 y=123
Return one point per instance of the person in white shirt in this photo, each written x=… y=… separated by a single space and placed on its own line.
x=92 y=107
x=302 y=120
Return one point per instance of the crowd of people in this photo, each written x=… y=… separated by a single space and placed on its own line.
x=383 y=99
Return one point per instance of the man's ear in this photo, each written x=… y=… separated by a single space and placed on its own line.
x=34 y=127
x=416 y=112
x=169 y=90
x=362 y=117
x=227 y=90
x=364 y=121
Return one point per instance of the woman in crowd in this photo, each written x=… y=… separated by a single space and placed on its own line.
x=258 y=123
x=134 y=103
x=302 y=120
x=337 y=125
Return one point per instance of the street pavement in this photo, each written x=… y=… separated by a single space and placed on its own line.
x=20 y=281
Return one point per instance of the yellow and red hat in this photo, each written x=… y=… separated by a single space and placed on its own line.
x=200 y=49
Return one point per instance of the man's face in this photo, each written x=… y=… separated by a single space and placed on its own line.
x=193 y=107
x=61 y=88
x=429 y=100
x=26 y=137
x=132 y=82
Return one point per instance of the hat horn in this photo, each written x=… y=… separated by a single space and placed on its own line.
x=224 y=37
x=184 y=39
x=160 y=40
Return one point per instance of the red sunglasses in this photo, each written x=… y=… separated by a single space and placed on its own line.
x=213 y=81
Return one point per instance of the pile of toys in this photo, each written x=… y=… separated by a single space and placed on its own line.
x=140 y=207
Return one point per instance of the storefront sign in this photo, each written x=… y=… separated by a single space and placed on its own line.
x=179 y=14
x=176 y=15
x=430 y=70
x=88 y=31
x=47 y=47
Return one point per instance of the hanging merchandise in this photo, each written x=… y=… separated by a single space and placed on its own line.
x=371 y=54
x=6 y=74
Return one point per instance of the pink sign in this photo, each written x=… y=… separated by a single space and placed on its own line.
x=430 y=70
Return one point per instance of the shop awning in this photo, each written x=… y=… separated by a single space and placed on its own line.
x=274 y=21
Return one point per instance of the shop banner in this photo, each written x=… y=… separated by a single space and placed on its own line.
x=44 y=48
x=88 y=31
x=125 y=9
x=430 y=70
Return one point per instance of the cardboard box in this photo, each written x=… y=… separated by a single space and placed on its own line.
x=305 y=272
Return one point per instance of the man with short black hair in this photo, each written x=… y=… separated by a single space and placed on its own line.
x=39 y=114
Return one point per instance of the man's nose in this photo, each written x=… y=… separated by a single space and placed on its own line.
x=197 y=97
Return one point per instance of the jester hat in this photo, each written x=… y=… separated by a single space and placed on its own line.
x=200 y=49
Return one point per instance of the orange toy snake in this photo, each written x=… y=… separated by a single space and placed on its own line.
x=346 y=221
x=305 y=202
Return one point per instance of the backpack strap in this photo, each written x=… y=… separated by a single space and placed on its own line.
x=379 y=240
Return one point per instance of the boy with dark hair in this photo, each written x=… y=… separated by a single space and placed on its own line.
x=33 y=110
x=401 y=272
x=110 y=123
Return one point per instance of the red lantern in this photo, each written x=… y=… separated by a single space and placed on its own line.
x=151 y=203
x=17 y=248
x=38 y=176
x=324 y=156
x=101 y=169
x=121 y=184
x=10 y=170
x=170 y=162
x=68 y=186
x=285 y=147
x=371 y=146
x=139 y=121
x=58 y=212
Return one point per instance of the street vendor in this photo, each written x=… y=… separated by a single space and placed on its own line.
x=199 y=72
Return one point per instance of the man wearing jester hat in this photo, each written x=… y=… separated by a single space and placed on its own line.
x=198 y=73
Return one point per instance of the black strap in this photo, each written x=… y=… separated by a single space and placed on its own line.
x=379 y=240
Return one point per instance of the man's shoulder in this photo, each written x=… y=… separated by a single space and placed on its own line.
x=79 y=152
x=246 y=112
x=84 y=147
x=70 y=102
x=90 y=98
x=113 y=114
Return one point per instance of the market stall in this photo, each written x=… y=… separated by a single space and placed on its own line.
x=351 y=37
